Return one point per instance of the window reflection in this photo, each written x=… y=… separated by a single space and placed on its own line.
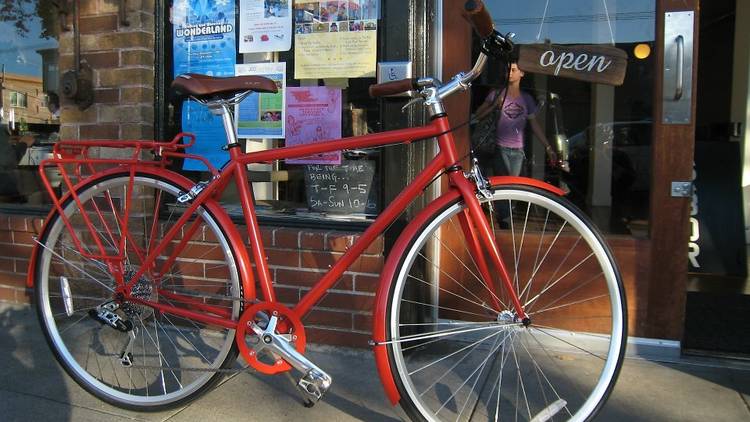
x=603 y=133
x=29 y=104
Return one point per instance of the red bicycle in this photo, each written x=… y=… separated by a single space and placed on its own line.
x=499 y=299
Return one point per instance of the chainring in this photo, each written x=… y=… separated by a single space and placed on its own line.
x=252 y=348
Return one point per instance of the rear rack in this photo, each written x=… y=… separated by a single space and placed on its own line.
x=74 y=163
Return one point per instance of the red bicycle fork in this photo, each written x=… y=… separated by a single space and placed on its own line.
x=477 y=231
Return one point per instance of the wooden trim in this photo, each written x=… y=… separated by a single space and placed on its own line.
x=672 y=160
x=457 y=42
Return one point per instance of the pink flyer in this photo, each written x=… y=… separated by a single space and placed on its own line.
x=313 y=114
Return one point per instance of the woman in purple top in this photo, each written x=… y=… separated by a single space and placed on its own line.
x=518 y=109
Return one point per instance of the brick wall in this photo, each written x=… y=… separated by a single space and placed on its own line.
x=297 y=258
x=16 y=240
x=122 y=59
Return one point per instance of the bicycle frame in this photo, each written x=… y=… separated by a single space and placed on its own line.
x=473 y=222
x=476 y=228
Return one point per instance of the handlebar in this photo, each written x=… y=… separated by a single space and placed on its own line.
x=432 y=91
x=475 y=11
x=394 y=87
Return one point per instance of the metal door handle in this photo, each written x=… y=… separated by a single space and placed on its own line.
x=680 y=63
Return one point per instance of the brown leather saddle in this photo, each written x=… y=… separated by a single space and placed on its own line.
x=207 y=87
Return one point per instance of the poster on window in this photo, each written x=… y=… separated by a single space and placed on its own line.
x=261 y=115
x=265 y=25
x=335 y=39
x=313 y=114
x=204 y=42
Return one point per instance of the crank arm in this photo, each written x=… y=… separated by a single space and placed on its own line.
x=315 y=382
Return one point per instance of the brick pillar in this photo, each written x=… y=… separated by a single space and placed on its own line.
x=122 y=60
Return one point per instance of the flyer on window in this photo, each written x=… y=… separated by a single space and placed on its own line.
x=265 y=25
x=204 y=42
x=335 y=39
x=313 y=114
x=261 y=115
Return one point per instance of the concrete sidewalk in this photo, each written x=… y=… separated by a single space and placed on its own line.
x=34 y=387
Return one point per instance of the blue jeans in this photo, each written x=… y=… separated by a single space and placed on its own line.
x=508 y=161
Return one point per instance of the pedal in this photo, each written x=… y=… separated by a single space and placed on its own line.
x=192 y=193
x=314 y=385
x=105 y=314
x=315 y=382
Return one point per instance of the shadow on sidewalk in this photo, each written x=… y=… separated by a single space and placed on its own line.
x=344 y=404
x=32 y=385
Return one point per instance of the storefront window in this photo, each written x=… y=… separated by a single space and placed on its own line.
x=29 y=105
x=322 y=56
x=600 y=127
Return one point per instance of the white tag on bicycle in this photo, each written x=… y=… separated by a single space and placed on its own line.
x=66 y=296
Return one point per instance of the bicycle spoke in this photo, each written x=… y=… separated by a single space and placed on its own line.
x=444 y=308
x=468 y=378
x=520 y=382
x=566 y=342
x=558 y=367
x=557 y=281
x=448 y=371
x=540 y=374
x=442 y=333
x=479 y=279
x=74 y=266
x=474 y=385
x=563 y=295
x=470 y=255
x=578 y=302
x=527 y=289
x=481 y=305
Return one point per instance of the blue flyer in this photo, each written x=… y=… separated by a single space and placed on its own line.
x=204 y=37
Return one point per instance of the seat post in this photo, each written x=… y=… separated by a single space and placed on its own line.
x=222 y=108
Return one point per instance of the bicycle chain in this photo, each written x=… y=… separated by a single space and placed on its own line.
x=188 y=369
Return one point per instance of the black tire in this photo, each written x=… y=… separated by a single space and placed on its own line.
x=427 y=358
x=193 y=353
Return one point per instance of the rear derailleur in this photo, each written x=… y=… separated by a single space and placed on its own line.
x=105 y=314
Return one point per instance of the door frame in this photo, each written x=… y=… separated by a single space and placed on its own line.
x=669 y=228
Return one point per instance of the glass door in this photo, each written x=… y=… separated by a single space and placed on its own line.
x=606 y=78
x=600 y=128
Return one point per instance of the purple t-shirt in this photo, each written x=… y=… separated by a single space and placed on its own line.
x=512 y=121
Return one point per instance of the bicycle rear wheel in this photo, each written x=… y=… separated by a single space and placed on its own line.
x=163 y=360
x=457 y=349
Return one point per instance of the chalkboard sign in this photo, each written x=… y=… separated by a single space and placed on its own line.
x=342 y=189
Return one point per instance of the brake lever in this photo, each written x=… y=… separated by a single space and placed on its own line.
x=498 y=45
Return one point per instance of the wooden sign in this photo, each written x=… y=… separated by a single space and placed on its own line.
x=590 y=63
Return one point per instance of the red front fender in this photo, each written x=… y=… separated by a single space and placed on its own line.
x=243 y=260
x=394 y=258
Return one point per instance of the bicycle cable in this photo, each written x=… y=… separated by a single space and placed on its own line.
x=473 y=121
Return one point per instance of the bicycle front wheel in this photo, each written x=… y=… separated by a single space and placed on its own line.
x=458 y=350
x=124 y=353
